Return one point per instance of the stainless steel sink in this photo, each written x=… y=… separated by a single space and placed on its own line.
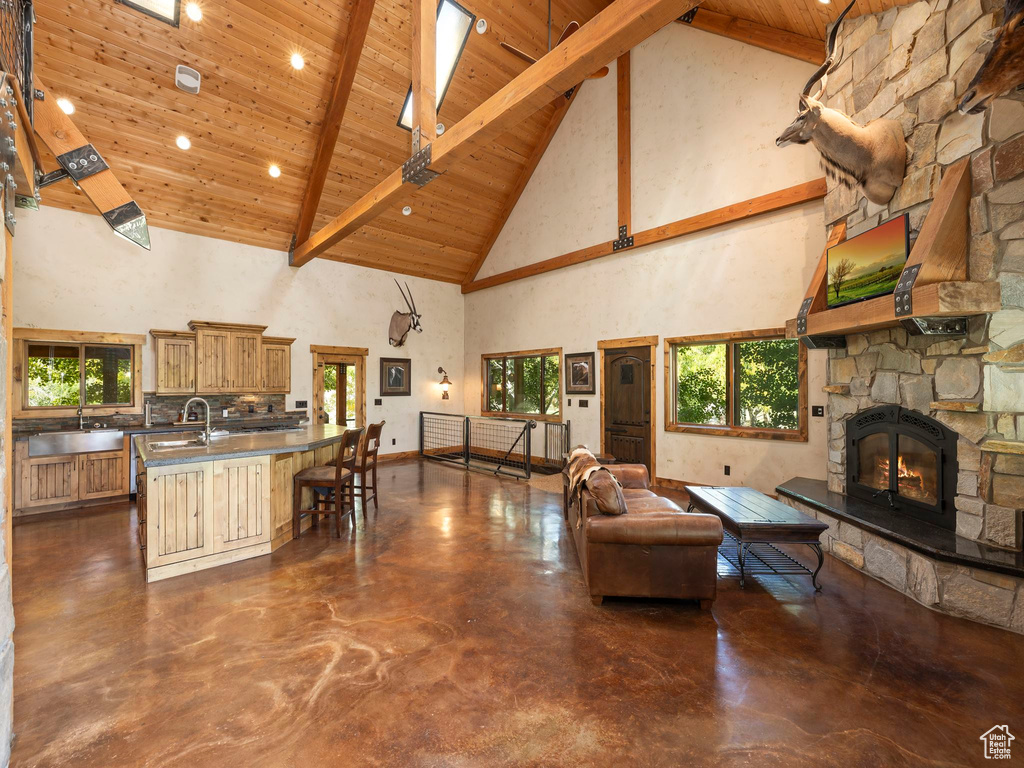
x=163 y=445
x=75 y=441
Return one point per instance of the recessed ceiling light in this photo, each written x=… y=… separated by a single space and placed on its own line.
x=66 y=106
x=297 y=61
x=825 y=2
x=407 y=210
x=274 y=171
x=194 y=12
x=481 y=26
x=183 y=142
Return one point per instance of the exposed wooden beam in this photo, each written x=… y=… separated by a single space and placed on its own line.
x=60 y=135
x=773 y=201
x=771 y=39
x=608 y=35
x=355 y=36
x=625 y=155
x=561 y=108
x=424 y=73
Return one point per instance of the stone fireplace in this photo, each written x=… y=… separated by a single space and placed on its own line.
x=904 y=460
x=960 y=553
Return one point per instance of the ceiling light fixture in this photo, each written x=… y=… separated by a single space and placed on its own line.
x=194 y=12
x=183 y=142
x=481 y=26
x=66 y=106
x=274 y=171
x=297 y=61
x=825 y=2
x=407 y=210
x=439 y=128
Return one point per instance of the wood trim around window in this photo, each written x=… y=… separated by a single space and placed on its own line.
x=22 y=336
x=552 y=352
x=730 y=429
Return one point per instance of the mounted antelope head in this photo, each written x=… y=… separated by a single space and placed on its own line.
x=873 y=156
x=1003 y=68
x=403 y=322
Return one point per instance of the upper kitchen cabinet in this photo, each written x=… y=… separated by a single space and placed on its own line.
x=175 y=362
x=277 y=364
x=229 y=357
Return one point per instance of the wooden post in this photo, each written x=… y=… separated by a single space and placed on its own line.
x=625 y=161
x=424 y=74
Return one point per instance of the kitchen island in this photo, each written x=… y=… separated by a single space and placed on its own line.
x=201 y=506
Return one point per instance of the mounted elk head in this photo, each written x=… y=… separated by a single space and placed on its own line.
x=873 y=156
x=403 y=322
x=1003 y=68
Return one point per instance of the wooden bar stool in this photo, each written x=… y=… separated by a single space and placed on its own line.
x=366 y=466
x=329 y=485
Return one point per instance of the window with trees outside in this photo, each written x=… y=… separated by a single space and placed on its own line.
x=523 y=384
x=98 y=374
x=742 y=384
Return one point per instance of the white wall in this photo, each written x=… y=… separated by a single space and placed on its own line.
x=72 y=272
x=703 y=137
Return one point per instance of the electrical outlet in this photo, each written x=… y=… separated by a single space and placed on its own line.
x=570 y=401
x=393 y=441
x=378 y=401
x=817 y=410
x=252 y=409
x=301 y=404
x=728 y=470
x=584 y=403
x=270 y=408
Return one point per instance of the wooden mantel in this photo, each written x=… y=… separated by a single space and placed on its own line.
x=941 y=288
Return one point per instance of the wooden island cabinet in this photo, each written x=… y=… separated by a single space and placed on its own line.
x=222 y=358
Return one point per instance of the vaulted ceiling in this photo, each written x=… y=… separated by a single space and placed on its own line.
x=117 y=67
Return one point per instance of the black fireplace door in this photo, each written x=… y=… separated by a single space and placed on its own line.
x=904 y=460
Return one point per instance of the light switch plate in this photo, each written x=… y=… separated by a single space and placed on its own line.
x=817 y=410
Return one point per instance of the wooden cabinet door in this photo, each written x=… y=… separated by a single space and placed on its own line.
x=140 y=506
x=213 y=361
x=102 y=474
x=179 y=513
x=175 y=366
x=277 y=368
x=246 y=361
x=241 y=502
x=49 y=480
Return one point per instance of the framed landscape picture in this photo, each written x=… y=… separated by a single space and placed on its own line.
x=395 y=376
x=579 y=374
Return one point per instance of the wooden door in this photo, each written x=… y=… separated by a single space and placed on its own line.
x=241 y=510
x=213 y=355
x=246 y=364
x=179 y=512
x=626 y=386
x=49 y=480
x=336 y=380
x=277 y=368
x=175 y=365
x=101 y=475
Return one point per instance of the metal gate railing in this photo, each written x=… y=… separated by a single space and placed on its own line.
x=557 y=436
x=478 y=442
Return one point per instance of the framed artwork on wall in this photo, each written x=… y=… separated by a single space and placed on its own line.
x=395 y=376
x=579 y=374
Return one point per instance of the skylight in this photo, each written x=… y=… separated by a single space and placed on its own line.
x=452 y=28
x=165 y=10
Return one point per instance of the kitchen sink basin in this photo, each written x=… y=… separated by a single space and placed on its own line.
x=163 y=445
x=75 y=441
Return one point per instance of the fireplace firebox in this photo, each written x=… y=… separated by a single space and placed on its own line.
x=904 y=460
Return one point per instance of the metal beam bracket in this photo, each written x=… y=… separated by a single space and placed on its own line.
x=801 y=317
x=824 y=342
x=687 y=18
x=415 y=169
x=46 y=179
x=83 y=162
x=903 y=295
x=935 y=326
x=624 y=241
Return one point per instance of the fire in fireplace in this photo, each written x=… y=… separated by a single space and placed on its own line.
x=923 y=452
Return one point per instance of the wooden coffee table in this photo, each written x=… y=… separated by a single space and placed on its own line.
x=755 y=519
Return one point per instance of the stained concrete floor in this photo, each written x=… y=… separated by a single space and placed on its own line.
x=452 y=628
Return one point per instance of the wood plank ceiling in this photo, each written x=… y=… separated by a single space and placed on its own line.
x=117 y=66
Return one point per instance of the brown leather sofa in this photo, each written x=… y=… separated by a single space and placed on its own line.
x=655 y=549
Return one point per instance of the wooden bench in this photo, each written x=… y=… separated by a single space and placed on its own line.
x=753 y=518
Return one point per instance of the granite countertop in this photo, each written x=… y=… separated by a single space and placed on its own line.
x=235 y=446
x=287 y=418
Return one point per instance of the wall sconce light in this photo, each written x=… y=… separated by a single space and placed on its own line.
x=445 y=383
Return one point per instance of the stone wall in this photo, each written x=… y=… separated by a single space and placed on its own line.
x=912 y=64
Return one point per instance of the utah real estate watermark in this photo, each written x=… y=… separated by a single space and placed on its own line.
x=997 y=741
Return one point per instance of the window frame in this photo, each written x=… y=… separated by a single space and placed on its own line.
x=441 y=92
x=175 y=22
x=731 y=428
x=541 y=353
x=23 y=337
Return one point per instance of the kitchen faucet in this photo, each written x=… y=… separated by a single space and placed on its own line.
x=205 y=436
x=81 y=418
